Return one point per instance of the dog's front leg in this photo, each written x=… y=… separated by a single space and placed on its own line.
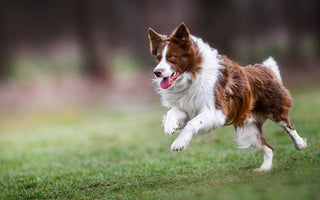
x=174 y=120
x=204 y=122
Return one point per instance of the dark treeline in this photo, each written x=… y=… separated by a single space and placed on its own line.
x=242 y=29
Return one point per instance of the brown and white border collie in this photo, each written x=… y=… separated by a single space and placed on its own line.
x=204 y=90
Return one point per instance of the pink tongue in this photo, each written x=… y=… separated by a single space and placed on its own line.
x=165 y=83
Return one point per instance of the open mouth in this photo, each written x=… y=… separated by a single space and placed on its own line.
x=168 y=81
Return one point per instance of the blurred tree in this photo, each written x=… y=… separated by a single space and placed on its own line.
x=118 y=28
x=3 y=44
x=85 y=28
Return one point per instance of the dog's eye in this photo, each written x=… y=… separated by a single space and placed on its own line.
x=172 y=57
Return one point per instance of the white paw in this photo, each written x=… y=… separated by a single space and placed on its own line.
x=170 y=127
x=264 y=167
x=180 y=143
x=302 y=144
x=261 y=169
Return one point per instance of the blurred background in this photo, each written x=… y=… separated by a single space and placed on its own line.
x=65 y=54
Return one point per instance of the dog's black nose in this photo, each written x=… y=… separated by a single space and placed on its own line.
x=158 y=72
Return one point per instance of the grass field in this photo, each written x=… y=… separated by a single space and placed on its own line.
x=96 y=154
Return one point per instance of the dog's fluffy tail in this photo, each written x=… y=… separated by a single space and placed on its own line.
x=272 y=64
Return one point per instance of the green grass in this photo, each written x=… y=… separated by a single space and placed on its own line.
x=90 y=154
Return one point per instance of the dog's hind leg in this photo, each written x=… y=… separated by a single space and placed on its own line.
x=249 y=135
x=267 y=155
x=282 y=118
x=298 y=142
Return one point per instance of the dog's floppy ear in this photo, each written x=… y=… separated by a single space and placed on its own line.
x=155 y=40
x=181 y=35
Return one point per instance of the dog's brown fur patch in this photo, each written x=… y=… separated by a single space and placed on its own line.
x=252 y=90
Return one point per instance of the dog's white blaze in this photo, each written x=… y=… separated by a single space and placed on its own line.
x=163 y=65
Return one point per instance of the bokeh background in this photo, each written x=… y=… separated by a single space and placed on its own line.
x=82 y=53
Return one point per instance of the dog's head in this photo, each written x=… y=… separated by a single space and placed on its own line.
x=176 y=55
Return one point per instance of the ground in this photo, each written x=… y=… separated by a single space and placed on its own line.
x=103 y=153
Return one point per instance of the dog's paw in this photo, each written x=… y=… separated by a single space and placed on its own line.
x=170 y=127
x=262 y=169
x=266 y=166
x=178 y=146
x=300 y=145
x=180 y=143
